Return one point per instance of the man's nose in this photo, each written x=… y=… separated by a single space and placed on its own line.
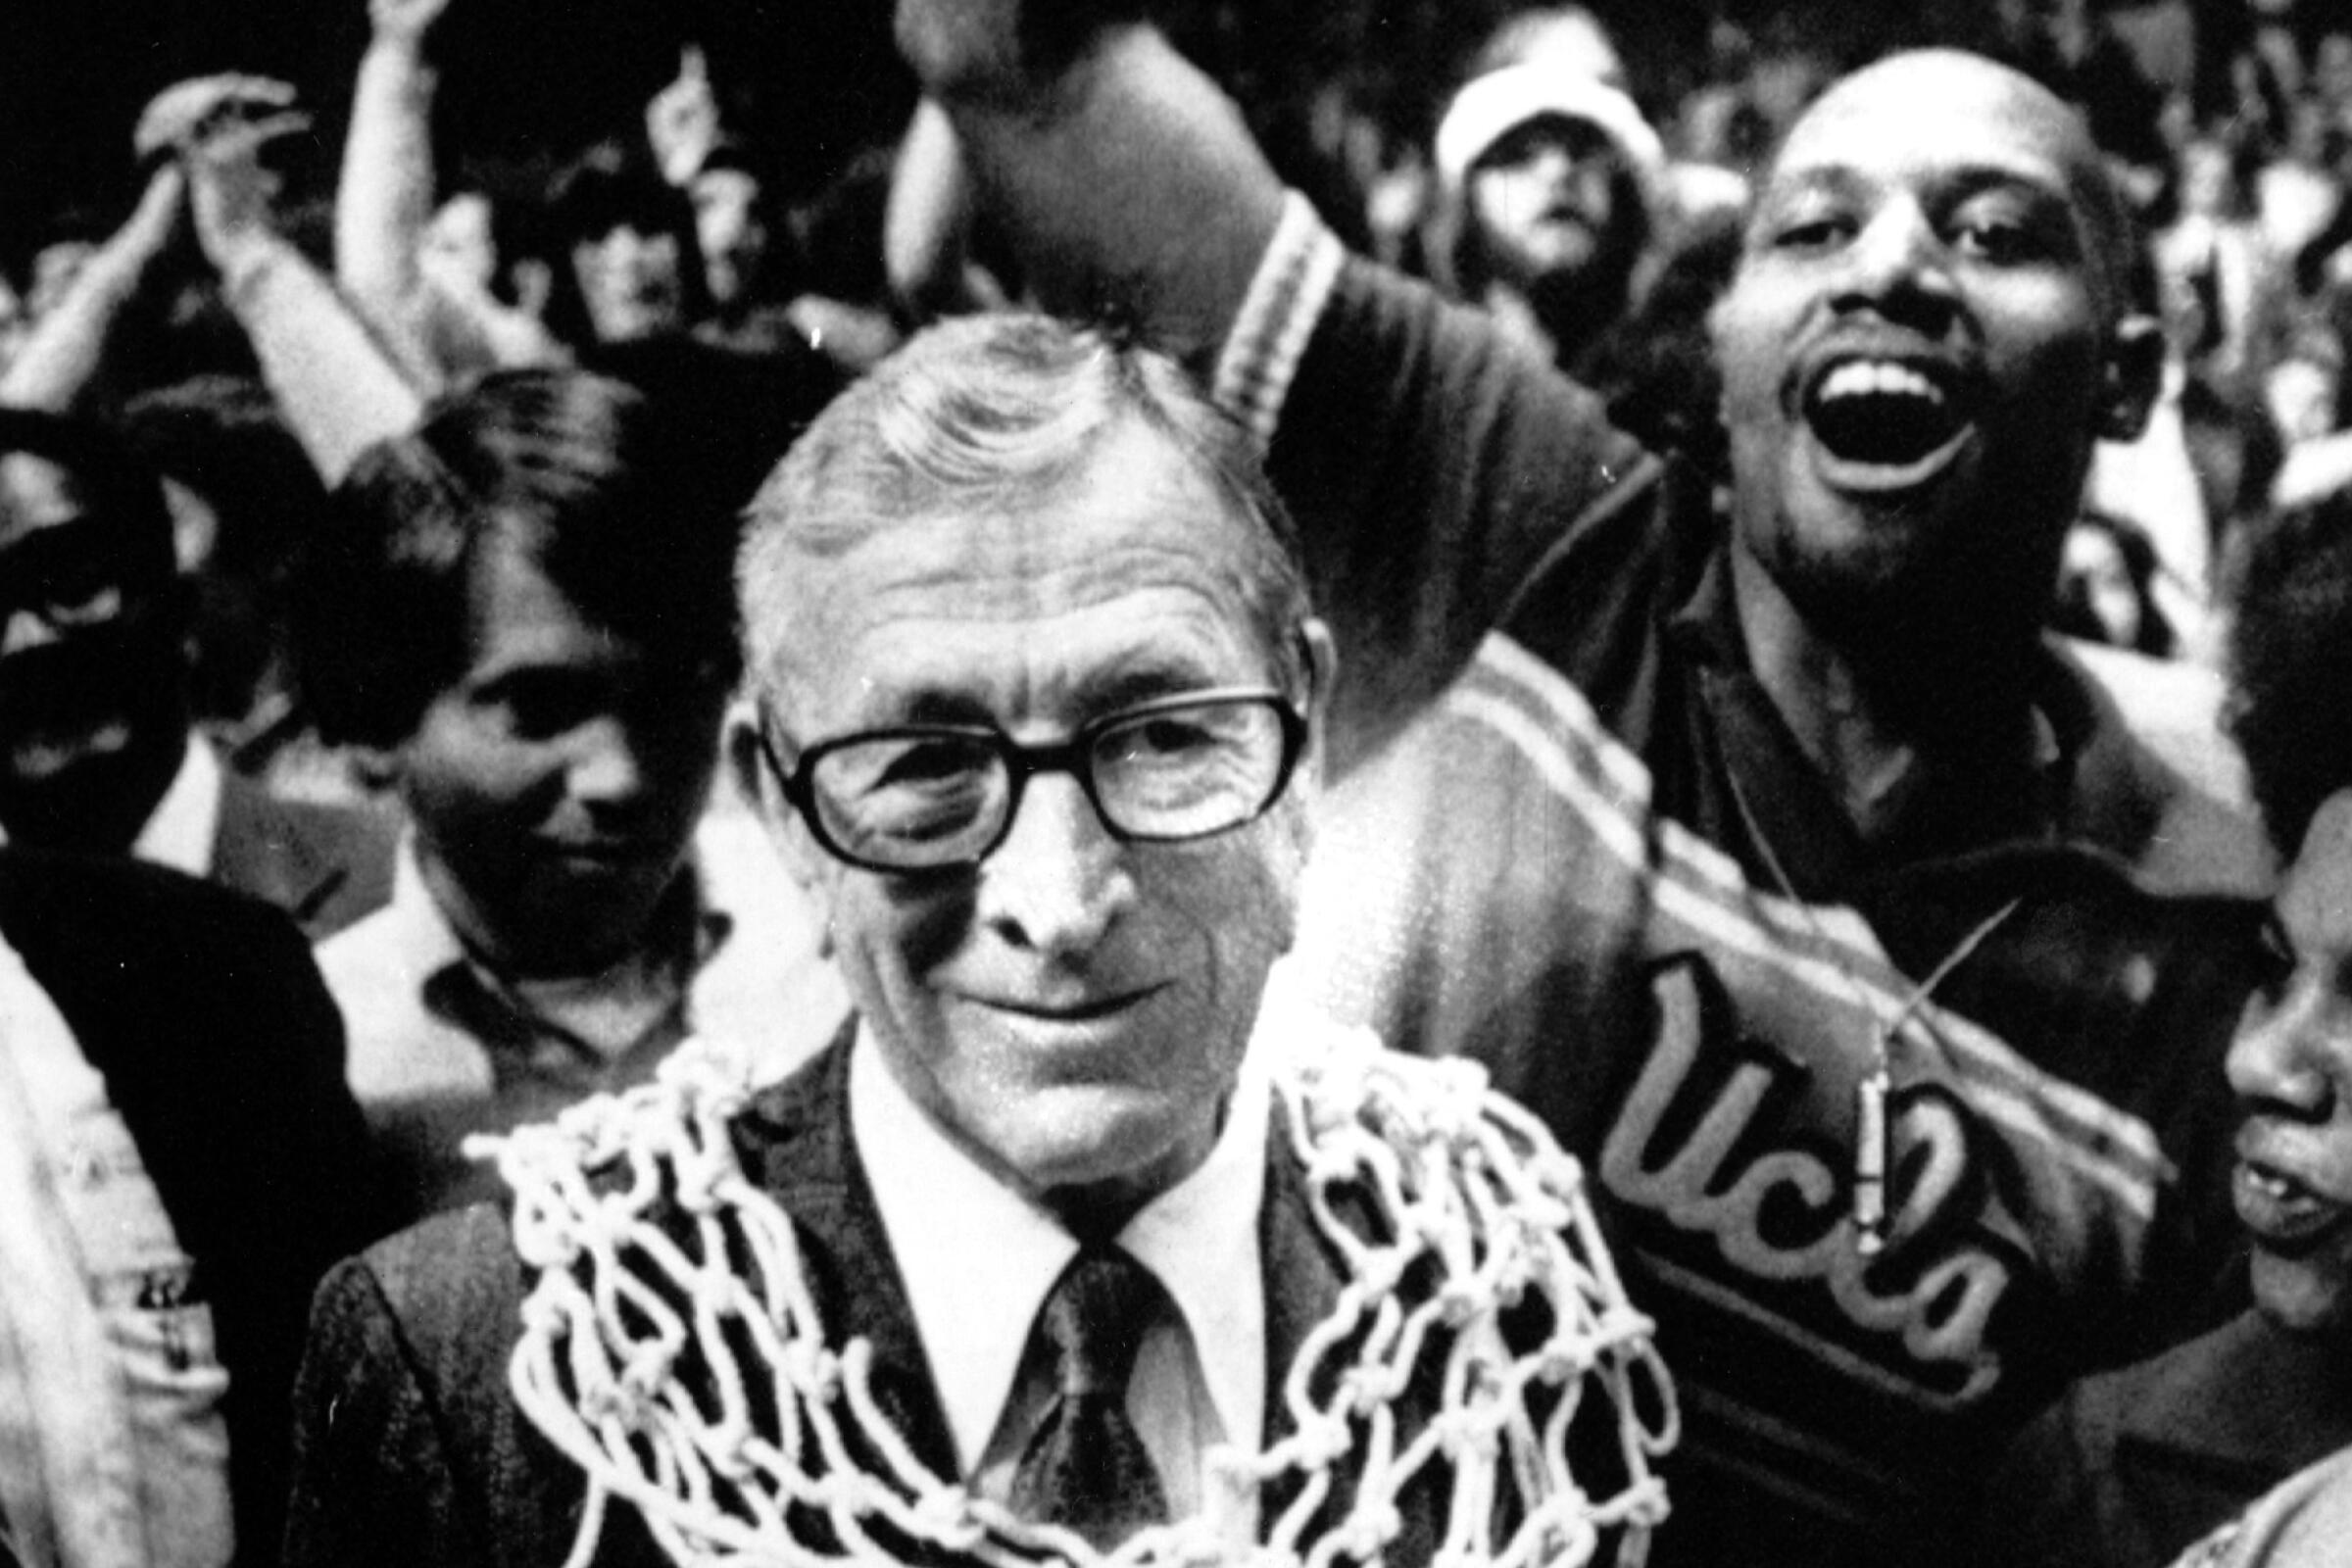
x=2283 y=1054
x=1059 y=881
x=1553 y=162
x=607 y=765
x=634 y=246
x=1897 y=257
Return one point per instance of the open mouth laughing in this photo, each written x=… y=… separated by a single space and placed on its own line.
x=2282 y=1213
x=1886 y=423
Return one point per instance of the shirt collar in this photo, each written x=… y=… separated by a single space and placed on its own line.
x=180 y=830
x=978 y=1259
x=455 y=987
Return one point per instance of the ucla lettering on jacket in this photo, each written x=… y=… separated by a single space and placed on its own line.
x=1498 y=884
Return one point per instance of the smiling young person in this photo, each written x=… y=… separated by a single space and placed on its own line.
x=1767 y=847
x=522 y=613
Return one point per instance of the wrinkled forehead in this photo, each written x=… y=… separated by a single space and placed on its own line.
x=1133 y=551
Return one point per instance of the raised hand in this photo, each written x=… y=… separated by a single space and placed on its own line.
x=175 y=117
x=681 y=120
x=231 y=191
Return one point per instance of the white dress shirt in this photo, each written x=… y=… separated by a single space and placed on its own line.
x=978 y=1261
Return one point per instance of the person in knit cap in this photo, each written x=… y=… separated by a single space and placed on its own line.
x=1551 y=194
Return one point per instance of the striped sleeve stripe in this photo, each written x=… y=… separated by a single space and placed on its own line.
x=1287 y=296
x=1546 y=720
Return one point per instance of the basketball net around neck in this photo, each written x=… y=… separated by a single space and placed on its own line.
x=669 y=1305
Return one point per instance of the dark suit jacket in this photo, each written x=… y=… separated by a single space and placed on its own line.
x=411 y=1450
x=2131 y=1467
x=224 y=1054
x=325 y=866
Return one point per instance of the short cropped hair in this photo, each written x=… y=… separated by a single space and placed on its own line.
x=122 y=491
x=2290 y=665
x=600 y=488
x=981 y=413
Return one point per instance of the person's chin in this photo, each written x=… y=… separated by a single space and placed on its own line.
x=1104 y=1144
x=2308 y=1295
x=593 y=904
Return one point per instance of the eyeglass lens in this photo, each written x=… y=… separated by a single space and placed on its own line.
x=937 y=798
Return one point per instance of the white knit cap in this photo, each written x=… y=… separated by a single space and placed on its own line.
x=1492 y=106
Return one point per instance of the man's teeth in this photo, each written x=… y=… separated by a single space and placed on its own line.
x=1878 y=377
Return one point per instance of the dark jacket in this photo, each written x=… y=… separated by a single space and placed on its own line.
x=410 y=1449
x=223 y=1055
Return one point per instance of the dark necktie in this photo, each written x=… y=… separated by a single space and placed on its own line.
x=1087 y=1468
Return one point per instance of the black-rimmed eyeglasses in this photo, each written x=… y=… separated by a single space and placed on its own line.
x=942 y=796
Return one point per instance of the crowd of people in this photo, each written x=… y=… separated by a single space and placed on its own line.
x=1465 y=797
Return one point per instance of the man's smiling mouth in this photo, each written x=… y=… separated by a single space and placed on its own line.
x=1075 y=1010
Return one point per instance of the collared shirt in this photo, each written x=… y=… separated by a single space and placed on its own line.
x=181 y=829
x=440 y=1050
x=978 y=1261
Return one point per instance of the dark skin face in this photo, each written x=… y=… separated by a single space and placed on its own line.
x=94 y=720
x=1919 y=348
x=2291 y=1067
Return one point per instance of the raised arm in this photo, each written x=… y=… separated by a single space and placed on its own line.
x=338 y=391
x=1431 y=467
x=65 y=363
x=384 y=200
x=1126 y=182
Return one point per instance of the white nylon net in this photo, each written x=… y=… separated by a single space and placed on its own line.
x=671 y=1346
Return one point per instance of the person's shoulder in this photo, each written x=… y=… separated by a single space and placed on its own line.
x=2174 y=1387
x=468 y=1246
x=448 y=1290
x=2157 y=781
x=115 y=911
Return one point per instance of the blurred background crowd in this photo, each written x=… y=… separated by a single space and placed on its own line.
x=763 y=142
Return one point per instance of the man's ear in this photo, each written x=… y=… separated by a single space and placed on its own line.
x=2133 y=373
x=1322 y=674
x=748 y=769
x=1322 y=659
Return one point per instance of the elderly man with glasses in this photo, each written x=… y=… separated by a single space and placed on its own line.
x=1077 y=1242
